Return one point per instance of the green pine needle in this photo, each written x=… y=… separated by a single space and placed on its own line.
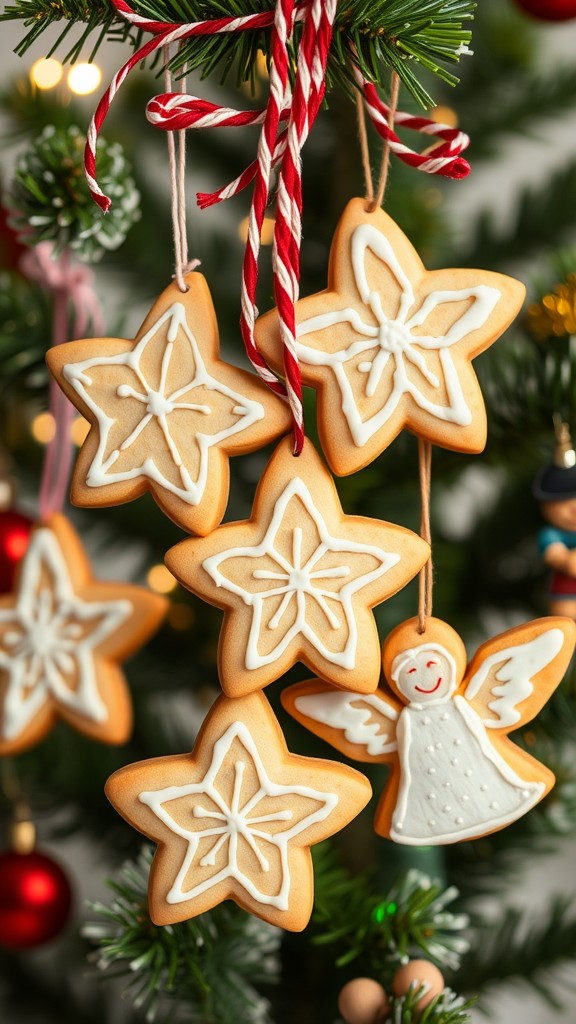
x=381 y=929
x=406 y=36
x=211 y=964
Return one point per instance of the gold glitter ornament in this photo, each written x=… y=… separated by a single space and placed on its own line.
x=555 y=315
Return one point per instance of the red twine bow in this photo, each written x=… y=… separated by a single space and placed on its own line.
x=285 y=125
x=72 y=287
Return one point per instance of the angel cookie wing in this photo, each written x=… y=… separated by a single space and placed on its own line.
x=512 y=676
x=361 y=726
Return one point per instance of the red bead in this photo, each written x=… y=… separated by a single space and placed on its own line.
x=35 y=899
x=14 y=536
x=549 y=10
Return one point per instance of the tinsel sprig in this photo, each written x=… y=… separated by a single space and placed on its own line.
x=211 y=964
x=49 y=199
x=406 y=36
x=554 y=316
x=381 y=929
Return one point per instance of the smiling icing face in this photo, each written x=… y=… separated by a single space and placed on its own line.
x=425 y=675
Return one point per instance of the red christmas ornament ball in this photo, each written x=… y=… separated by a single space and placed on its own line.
x=35 y=899
x=549 y=10
x=14 y=536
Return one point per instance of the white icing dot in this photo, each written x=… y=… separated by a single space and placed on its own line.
x=431 y=822
x=438 y=746
x=468 y=773
x=448 y=784
x=525 y=792
x=444 y=717
x=457 y=743
x=426 y=720
x=454 y=761
x=431 y=771
x=447 y=807
x=430 y=748
x=465 y=798
x=399 y=826
x=432 y=796
x=459 y=821
x=494 y=805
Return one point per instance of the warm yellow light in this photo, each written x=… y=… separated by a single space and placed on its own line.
x=267 y=236
x=43 y=427
x=46 y=73
x=161 y=579
x=261 y=65
x=79 y=431
x=181 y=616
x=444 y=115
x=84 y=78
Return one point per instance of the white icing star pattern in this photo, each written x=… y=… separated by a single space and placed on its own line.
x=236 y=831
x=159 y=402
x=47 y=640
x=301 y=583
x=396 y=339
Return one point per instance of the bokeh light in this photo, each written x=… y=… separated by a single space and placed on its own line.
x=84 y=78
x=46 y=73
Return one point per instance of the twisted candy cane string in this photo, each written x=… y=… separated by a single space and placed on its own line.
x=444 y=158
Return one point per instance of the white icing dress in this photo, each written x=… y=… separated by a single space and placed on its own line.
x=453 y=783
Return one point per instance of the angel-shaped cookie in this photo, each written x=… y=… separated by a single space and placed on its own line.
x=455 y=774
x=389 y=344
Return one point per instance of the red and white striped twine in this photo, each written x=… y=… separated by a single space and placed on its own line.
x=443 y=158
x=285 y=125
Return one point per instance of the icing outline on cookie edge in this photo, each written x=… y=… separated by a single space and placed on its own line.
x=157 y=406
x=48 y=643
x=393 y=338
x=299 y=582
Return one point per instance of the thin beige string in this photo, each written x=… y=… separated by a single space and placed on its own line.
x=385 y=165
x=364 y=147
x=425 y=578
x=177 y=167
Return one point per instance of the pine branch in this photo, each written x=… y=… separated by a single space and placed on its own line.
x=380 y=929
x=387 y=34
x=210 y=965
x=447 y=1008
x=517 y=106
x=524 y=948
x=545 y=217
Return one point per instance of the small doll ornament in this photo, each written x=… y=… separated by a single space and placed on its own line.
x=555 y=488
x=444 y=727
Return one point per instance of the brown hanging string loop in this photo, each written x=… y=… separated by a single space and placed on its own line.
x=385 y=165
x=425 y=579
x=364 y=148
x=177 y=164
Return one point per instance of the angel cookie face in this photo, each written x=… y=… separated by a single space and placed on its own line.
x=425 y=674
x=235 y=819
x=165 y=411
x=389 y=345
x=455 y=774
x=61 y=637
x=298 y=580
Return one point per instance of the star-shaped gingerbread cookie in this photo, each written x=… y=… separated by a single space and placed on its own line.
x=235 y=818
x=62 y=635
x=299 y=579
x=389 y=345
x=165 y=411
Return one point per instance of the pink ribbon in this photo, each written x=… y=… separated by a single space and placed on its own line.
x=72 y=287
